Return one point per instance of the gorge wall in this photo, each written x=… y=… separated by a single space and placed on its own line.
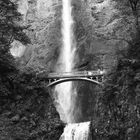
x=102 y=29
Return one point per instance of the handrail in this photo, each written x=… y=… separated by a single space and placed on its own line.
x=71 y=74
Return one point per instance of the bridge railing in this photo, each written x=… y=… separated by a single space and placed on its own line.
x=72 y=74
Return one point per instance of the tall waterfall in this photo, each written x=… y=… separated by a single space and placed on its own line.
x=65 y=94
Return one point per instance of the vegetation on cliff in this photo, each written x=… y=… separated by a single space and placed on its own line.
x=119 y=102
x=26 y=110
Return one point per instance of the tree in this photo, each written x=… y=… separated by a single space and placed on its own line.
x=10 y=30
x=134 y=6
x=119 y=101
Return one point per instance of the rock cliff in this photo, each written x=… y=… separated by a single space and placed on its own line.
x=103 y=29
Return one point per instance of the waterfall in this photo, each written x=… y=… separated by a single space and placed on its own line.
x=65 y=93
x=76 y=132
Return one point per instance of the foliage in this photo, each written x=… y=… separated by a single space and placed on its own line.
x=26 y=110
x=10 y=30
x=118 y=108
x=10 y=25
x=119 y=101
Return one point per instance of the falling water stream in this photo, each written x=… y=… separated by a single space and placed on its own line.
x=65 y=93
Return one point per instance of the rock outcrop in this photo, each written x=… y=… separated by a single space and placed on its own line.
x=103 y=29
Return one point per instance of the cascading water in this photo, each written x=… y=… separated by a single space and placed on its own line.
x=65 y=94
x=76 y=132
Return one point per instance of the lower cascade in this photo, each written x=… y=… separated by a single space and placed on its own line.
x=76 y=131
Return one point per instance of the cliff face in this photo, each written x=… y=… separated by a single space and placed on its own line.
x=43 y=17
x=102 y=29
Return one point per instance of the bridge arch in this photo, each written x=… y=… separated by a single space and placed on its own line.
x=55 y=82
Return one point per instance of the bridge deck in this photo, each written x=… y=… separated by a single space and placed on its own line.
x=72 y=74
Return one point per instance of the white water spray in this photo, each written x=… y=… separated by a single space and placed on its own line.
x=65 y=94
x=76 y=132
